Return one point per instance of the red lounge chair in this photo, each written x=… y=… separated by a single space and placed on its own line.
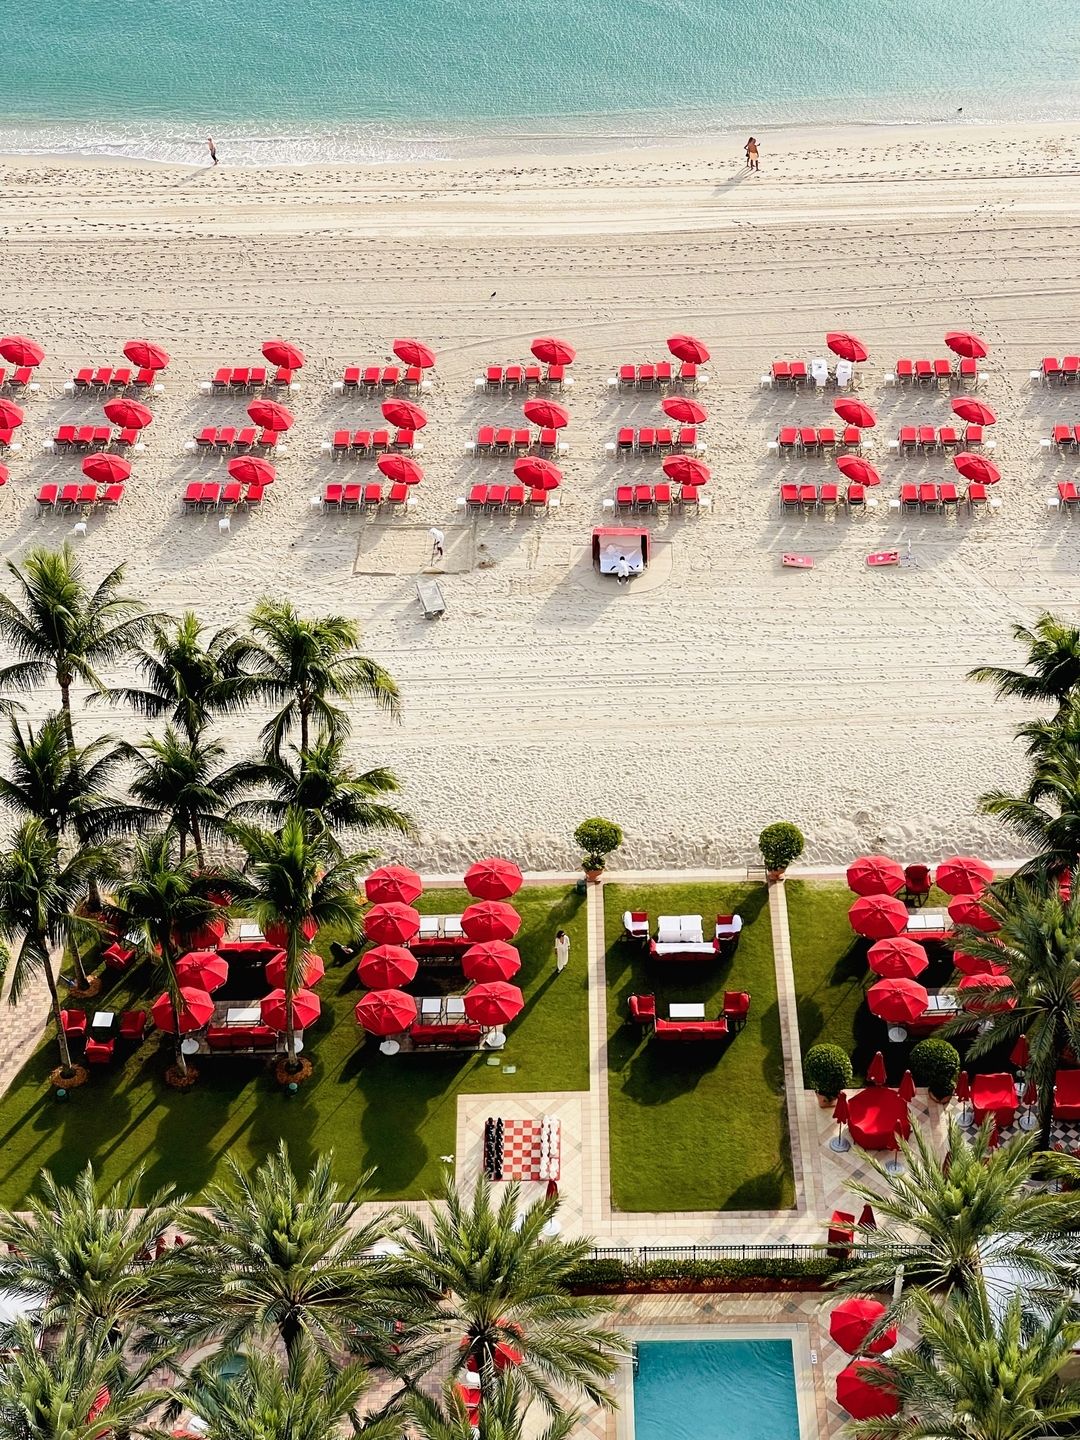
x=807 y=497
x=350 y=499
x=413 y=378
x=403 y=441
x=371 y=376
x=477 y=497
x=1068 y=497
x=1067 y=1095
x=977 y=500
x=46 y=498
x=808 y=439
x=522 y=440
x=390 y=376
x=856 y=498
x=246 y=438
x=950 y=500
x=239 y=378
x=1062 y=437
x=687 y=438
x=226 y=437
x=145 y=379
x=662 y=496
x=646 y=376
x=68 y=497
x=361 y=442
x=113 y=495
x=82 y=378
x=515 y=499
x=332 y=497
x=221 y=378
x=787 y=439
x=908 y=438
x=206 y=437
x=905 y=372
x=646 y=441
x=73 y=1022
x=1076 y=436
x=65 y=436
x=257 y=377
x=927 y=437
x=781 y=372
x=689 y=497
x=103 y=376
x=88 y=494
x=942 y=370
x=232 y=493
x=538 y=499
x=828 y=499
x=968 y=369
x=340 y=443
x=399 y=496
x=841 y=1235
x=642 y=1009
x=688 y=374
x=789 y=498
x=99 y=1052
x=624 y=441
x=485 y=438
x=132 y=1025
x=254 y=495
x=504 y=438
x=929 y=496
x=627 y=375
x=663 y=440
x=118 y=956
x=736 y=1009
x=851 y=438
x=643 y=497
x=909 y=497
x=496 y=497
x=1050 y=368
x=532 y=375
x=1070 y=367
x=554 y=378
x=124 y=439
x=948 y=438
x=973 y=435
x=624 y=497
x=798 y=373
x=372 y=496
x=351 y=378
x=826 y=439
x=454 y=1034
x=121 y=378
x=515 y=376
x=924 y=371
x=84 y=437
x=494 y=378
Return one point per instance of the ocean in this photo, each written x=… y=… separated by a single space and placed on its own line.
x=317 y=80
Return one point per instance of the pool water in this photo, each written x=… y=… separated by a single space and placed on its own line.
x=715 y=1390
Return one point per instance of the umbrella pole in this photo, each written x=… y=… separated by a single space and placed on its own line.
x=838 y=1143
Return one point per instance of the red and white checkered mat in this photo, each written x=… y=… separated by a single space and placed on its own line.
x=521 y=1151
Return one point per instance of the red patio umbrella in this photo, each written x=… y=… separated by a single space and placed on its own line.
x=977 y=468
x=899 y=958
x=506 y=1355
x=964 y=875
x=973 y=411
x=21 y=350
x=414 y=352
x=250 y=470
x=539 y=473
x=684 y=410
x=386 y=1012
x=848 y=347
x=494 y=960
x=202 y=970
x=966 y=910
x=306 y=1007
x=546 y=414
x=854 y=467
x=494 y=1002
x=878 y=916
x=852 y=1321
x=875 y=1073
x=875 y=875
x=11 y=416
x=312 y=969
x=404 y=414
x=867 y=1218
x=106 y=469
x=977 y=1000
x=203 y=937
x=897 y=1001
x=963 y=343
x=146 y=354
x=491 y=920
x=906 y=1088
x=387 y=967
x=278 y=934
x=975 y=964
x=283 y=353
x=854 y=412
x=963 y=1087
x=862 y=1389
x=1020 y=1054
x=392 y=884
x=840 y=1114
x=493 y=879
x=687 y=347
x=550 y=351
x=685 y=470
x=5 y=474
x=401 y=468
x=270 y=415
x=391 y=924
x=128 y=414
x=196 y=1009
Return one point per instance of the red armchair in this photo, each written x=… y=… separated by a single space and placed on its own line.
x=118 y=956
x=99 y=1052
x=133 y=1024
x=736 y=1008
x=841 y=1235
x=643 y=1009
x=1067 y=1095
x=917 y=882
x=73 y=1022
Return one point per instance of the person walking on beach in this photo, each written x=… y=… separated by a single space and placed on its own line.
x=437 y=541
x=212 y=148
x=562 y=951
x=751 y=154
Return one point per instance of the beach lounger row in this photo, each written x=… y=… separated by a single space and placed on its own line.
x=931 y=439
x=382 y=379
x=106 y=379
x=658 y=499
x=21 y=379
x=826 y=499
x=798 y=375
x=364 y=444
x=94 y=437
x=1065 y=438
x=1058 y=372
x=242 y=379
x=939 y=372
x=664 y=441
x=228 y=439
x=200 y=495
x=931 y=498
x=684 y=375
x=372 y=497
x=1068 y=497
x=507 y=499
x=816 y=440
x=79 y=496
x=506 y=379
x=503 y=440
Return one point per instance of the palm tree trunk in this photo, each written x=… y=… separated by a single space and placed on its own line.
x=65 y=705
x=196 y=836
x=303 y=730
x=67 y=1069
x=291 y=1333
x=181 y=1058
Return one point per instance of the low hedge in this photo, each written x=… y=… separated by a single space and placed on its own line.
x=612 y=1274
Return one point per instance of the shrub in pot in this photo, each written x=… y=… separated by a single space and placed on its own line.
x=598 y=838
x=936 y=1064
x=827 y=1069
x=780 y=844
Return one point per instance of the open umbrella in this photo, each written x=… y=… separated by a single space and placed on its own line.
x=493 y=1003
x=684 y=410
x=146 y=354
x=386 y=1012
x=391 y=924
x=11 y=416
x=1020 y=1054
x=685 y=470
x=312 y=969
x=963 y=343
x=5 y=474
x=897 y=1001
x=493 y=960
x=878 y=916
x=506 y=1355
x=306 y=1007
x=128 y=414
x=875 y=875
x=977 y=468
x=491 y=920
x=21 y=350
x=106 y=469
x=976 y=964
x=392 y=884
x=854 y=412
x=493 y=879
x=196 y=1009
x=963 y=875
x=898 y=958
x=538 y=473
x=278 y=934
x=977 y=1000
x=906 y=1088
x=204 y=937
x=401 y=468
x=270 y=415
x=387 y=967
x=854 y=467
x=848 y=347
x=404 y=414
x=853 y=1319
x=875 y=1072
x=966 y=910
x=546 y=414
x=862 y=1389
x=973 y=411
x=281 y=352
x=550 y=351
x=414 y=352
x=250 y=470
x=687 y=347
x=202 y=970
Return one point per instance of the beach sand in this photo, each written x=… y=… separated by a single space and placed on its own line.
x=693 y=711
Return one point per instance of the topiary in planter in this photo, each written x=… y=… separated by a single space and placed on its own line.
x=598 y=838
x=936 y=1064
x=827 y=1070
x=780 y=844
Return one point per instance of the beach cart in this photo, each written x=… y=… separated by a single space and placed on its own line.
x=429 y=593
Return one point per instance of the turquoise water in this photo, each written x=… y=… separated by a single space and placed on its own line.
x=715 y=1390
x=356 y=79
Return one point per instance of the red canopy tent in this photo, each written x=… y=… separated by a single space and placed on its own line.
x=391 y=924
x=493 y=879
x=312 y=969
x=878 y=916
x=387 y=967
x=393 y=884
x=386 y=1012
x=627 y=540
x=875 y=875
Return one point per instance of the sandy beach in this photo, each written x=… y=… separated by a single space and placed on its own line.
x=692 y=711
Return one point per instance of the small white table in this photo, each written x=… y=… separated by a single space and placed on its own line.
x=390 y=1047
x=495 y=1039
x=190 y=1046
x=103 y=1019
x=455 y=1006
x=430 y=1005
x=686 y=1012
x=929 y=920
x=942 y=1002
x=243 y=1015
x=248 y=931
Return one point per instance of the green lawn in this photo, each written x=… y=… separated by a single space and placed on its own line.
x=397 y=1114
x=696 y=1127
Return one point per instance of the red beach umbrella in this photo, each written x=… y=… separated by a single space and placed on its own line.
x=413 y=352
x=898 y=958
x=875 y=875
x=11 y=416
x=550 y=351
x=686 y=347
x=387 y=967
x=684 y=470
x=21 y=350
x=977 y=467
x=506 y=1355
x=976 y=965
x=494 y=1003
x=494 y=960
x=976 y=1000
x=863 y=1391
x=546 y=414
x=848 y=347
x=963 y=343
x=129 y=414
x=401 y=468
x=312 y=969
x=281 y=352
x=973 y=411
x=5 y=474
x=277 y=934
x=897 y=1001
x=203 y=937
x=391 y=924
x=491 y=920
x=250 y=470
x=684 y=410
x=854 y=412
x=966 y=910
x=146 y=354
x=270 y=415
x=386 y=1012
x=106 y=469
x=493 y=879
x=196 y=1009
x=852 y=1321
x=854 y=467
x=202 y=970
x=540 y=474
x=964 y=875
x=878 y=916
x=906 y=1091
x=306 y=1007
x=392 y=884
x=875 y=1073
x=404 y=414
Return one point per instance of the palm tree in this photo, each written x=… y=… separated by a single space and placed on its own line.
x=182 y=782
x=63 y=628
x=499 y=1278
x=943 y=1217
x=1053 y=664
x=41 y=885
x=1046 y=816
x=980 y=1376
x=279 y=1257
x=303 y=666
x=502 y=1415
x=289 y=877
x=166 y=899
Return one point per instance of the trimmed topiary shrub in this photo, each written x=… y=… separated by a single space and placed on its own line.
x=827 y=1069
x=598 y=838
x=936 y=1064
x=780 y=844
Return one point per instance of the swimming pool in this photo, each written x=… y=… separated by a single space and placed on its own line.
x=715 y=1390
